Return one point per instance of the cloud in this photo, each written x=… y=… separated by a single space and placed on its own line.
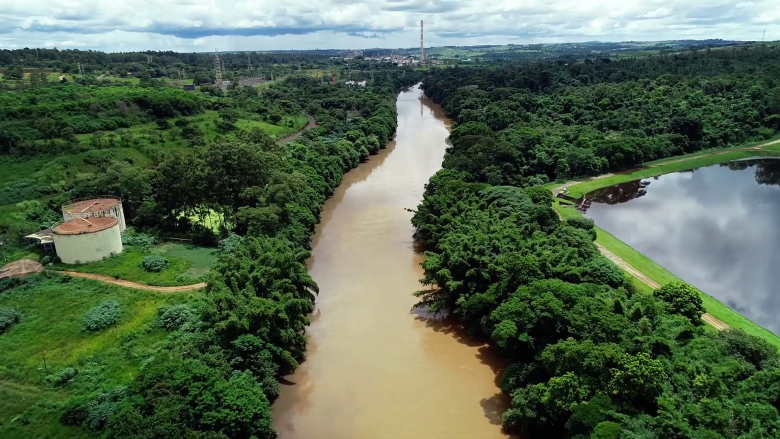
x=266 y=24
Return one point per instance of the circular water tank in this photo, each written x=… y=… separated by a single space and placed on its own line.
x=87 y=239
x=94 y=208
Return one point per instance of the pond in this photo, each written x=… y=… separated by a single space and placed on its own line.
x=714 y=227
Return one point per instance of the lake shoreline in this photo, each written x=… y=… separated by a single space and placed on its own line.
x=644 y=264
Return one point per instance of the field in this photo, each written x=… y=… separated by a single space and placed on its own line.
x=646 y=265
x=187 y=264
x=50 y=338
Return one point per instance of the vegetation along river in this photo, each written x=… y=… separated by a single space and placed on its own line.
x=714 y=227
x=374 y=368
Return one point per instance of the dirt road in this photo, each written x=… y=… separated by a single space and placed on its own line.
x=312 y=124
x=137 y=286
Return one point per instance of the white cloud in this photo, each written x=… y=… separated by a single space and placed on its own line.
x=188 y=25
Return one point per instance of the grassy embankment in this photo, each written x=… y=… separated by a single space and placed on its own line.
x=186 y=265
x=50 y=338
x=646 y=265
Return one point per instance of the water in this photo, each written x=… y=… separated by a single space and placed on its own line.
x=374 y=369
x=714 y=227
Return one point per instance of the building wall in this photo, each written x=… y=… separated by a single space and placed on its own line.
x=88 y=247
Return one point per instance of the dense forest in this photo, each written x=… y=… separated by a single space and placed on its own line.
x=591 y=357
x=547 y=120
x=217 y=371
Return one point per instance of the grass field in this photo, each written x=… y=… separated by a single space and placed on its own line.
x=646 y=265
x=29 y=405
x=187 y=263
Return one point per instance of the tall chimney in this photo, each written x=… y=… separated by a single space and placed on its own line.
x=422 y=51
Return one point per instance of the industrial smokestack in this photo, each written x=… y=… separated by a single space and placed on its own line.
x=422 y=45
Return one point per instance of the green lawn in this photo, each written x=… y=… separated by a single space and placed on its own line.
x=187 y=264
x=646 y=265
x=52 y=309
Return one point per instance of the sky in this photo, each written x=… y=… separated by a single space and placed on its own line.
x=203 y=25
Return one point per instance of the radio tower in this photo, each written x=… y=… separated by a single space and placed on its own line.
x=422 y=50
x=217 y=69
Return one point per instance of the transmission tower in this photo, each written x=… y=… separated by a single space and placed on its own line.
x=763 y=36
x=249 y=61
x=217 y=69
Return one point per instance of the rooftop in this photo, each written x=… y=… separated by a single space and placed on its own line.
x=85 y=225
x=91 y=205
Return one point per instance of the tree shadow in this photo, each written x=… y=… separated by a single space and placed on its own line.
x=494 y=407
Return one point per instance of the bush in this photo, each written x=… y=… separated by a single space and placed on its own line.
x=154 y=263
x=185 y=279
x=93 y=411
x=138 y=239
x=102 y=316
x=174 y=317
x=62 y=377
x=8 y=318
x=230 y=244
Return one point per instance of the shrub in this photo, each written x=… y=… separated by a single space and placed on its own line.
x=154 y=263
x=230 y=244
x=102 y=316
x=174 y=317
x=138 y=239
x=62 y=377
x=185 y=279
x=8 y=318
x=93 y=411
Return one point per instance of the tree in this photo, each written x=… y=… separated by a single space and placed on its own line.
x=13 y=72
x=606 y=430
x=682 y=299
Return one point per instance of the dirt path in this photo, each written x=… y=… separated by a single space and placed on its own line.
x=137 y=286
x=312 y=124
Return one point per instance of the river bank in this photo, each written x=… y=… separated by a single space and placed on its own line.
x=721 y=312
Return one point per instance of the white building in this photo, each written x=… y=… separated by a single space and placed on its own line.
x=84 y=240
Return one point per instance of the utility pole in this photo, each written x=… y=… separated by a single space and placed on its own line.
x=217 y=69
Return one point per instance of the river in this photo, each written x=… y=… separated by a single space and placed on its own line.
x=714 y=227
x=375 y=369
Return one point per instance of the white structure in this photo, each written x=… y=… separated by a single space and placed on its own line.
x=105 y=206
x=87 y=239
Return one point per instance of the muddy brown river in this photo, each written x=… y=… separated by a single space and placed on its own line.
x=375 y=369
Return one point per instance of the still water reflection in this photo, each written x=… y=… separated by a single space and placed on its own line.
x=714 y=227
x=374 y=369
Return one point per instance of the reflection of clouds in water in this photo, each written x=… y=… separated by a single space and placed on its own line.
x=715 y=228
